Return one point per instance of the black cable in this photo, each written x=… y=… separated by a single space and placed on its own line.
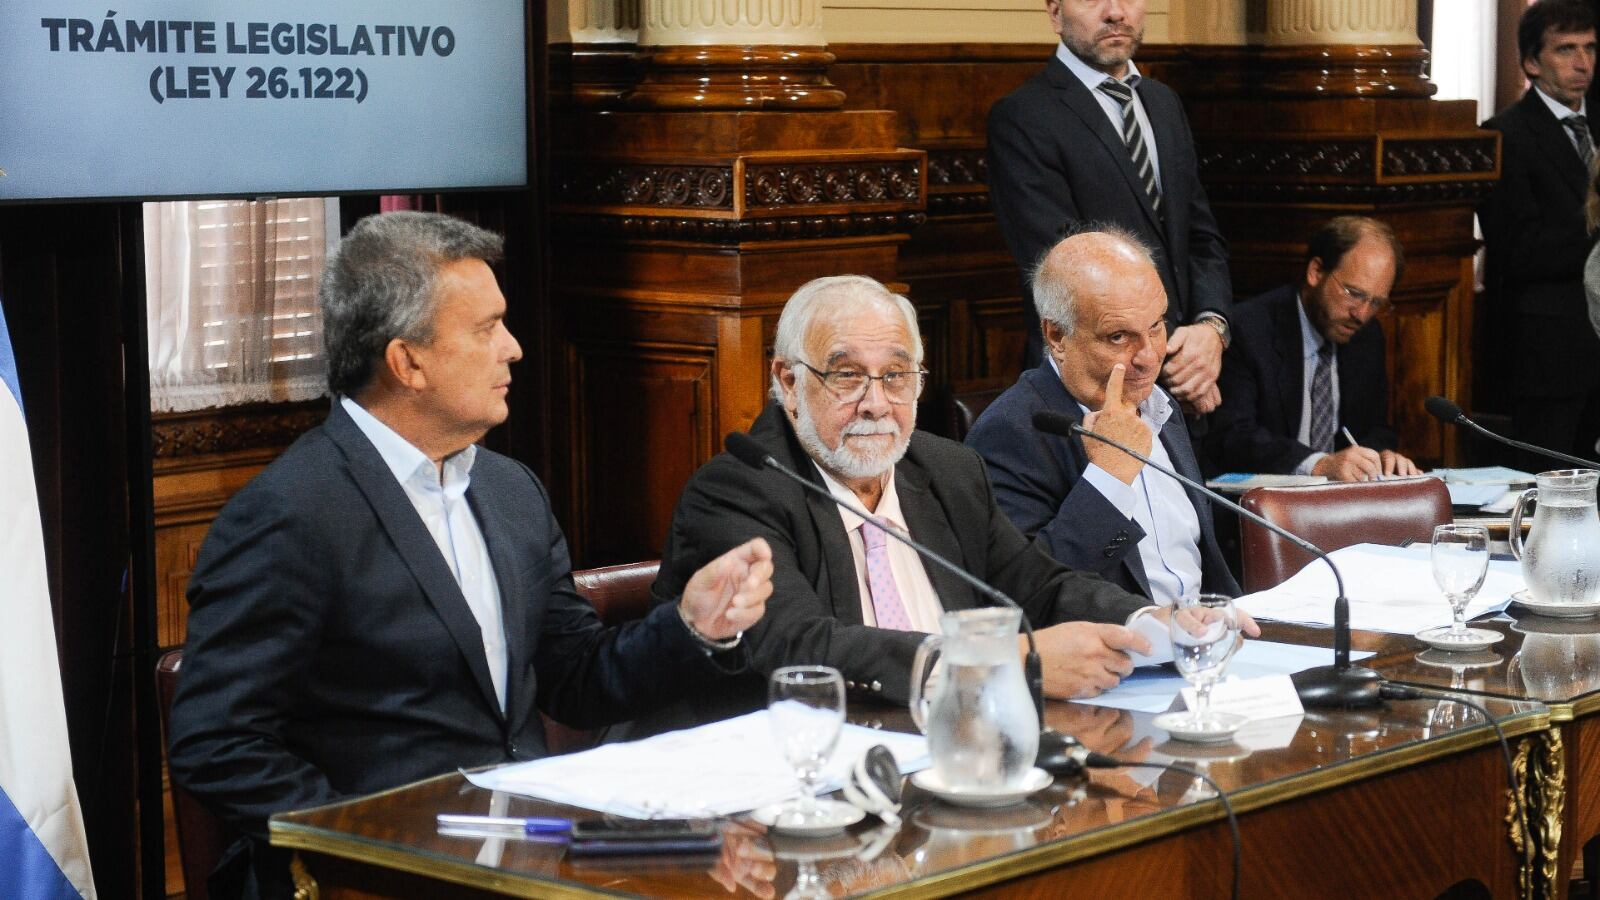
x=1392 y=691
x=1102 y=761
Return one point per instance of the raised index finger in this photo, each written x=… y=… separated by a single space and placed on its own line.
x=1114 y=387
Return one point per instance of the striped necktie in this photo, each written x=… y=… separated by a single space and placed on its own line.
x=1133 y=137
x=1579 y=126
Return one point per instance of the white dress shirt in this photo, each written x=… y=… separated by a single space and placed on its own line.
x=923 y=607
x=440 y=499
x=1562 y=112
x=1091 y=78
x=1310 y=343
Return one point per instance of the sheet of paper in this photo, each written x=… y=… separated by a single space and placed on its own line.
x=1501 y=506
x=1153 y=630
x=1476 y=494
x=1153 y=689
x=718 y=769
x=1239 y=482
x=1268 y=697
x=1390 y=589
x=1484 y=475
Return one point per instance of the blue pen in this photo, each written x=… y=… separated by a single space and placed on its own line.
x=506 y=824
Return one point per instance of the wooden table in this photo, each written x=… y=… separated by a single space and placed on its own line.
x=1553 y=661
x=1389 y=803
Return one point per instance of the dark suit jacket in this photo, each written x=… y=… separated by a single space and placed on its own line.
x=1038 y=482
x=1055 y=162
x=1263 y=380
x=331 y=652
x=1537 y=244
x=815 y=612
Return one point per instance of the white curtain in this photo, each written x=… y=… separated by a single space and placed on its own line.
x=231 y=300
x=1463 y=50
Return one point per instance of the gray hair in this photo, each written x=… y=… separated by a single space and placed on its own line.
x=1055 y=295
x=379 y=285
x=821 y=295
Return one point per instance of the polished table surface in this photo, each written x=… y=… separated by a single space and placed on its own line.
x=1396 y=802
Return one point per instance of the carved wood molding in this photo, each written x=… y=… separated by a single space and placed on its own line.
x=842 y=187
x=704 y=187
x=802 y=184
x=207 y=432
x=1373 y=159
x=735 y=77
x=728 y=231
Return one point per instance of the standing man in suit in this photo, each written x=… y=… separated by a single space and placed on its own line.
x=1090 y=140
x=1537 y=239
x=846 y=375
x=1090 y=505
x=388 y=601
x=1307 y=365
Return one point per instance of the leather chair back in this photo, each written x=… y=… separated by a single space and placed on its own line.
x=1333 y=516
x=202 y=837
x=619 y=594
x=968 y=400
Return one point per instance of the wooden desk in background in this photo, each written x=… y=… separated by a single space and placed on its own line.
x=1386 y=803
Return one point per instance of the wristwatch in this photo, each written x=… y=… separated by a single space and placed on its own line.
x=707 y=644
x=1215 y=320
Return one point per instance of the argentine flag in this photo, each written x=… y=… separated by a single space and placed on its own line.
x=43 y=854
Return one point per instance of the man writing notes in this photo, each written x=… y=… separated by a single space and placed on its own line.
x=388 y=601
x=1537 y=240
x=1306 y=371
x=846 y=376
x=1091 y=140
x=1090 y=505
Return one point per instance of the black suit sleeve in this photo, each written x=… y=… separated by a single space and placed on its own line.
x=1030 y=194
x=1238 y=440
x=253 y=624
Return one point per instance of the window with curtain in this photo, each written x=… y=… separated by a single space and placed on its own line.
x=231 y=300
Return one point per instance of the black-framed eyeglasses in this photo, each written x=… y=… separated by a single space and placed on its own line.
x=850 y=385
x=1360 y=297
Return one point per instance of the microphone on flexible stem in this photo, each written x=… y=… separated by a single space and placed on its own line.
x=1449 y=413
x=1339 y=686
x=1059 y=754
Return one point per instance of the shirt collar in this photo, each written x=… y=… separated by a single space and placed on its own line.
x=888 y=505
x=1089 y=75
x=1559 y=109
x=1156 y=408
x=1311 y=340
x=408 y=464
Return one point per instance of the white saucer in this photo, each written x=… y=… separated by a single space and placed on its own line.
x=1220 y=728
x=1525 y=600
x=832 y=818
x=1036 y=780
x=1440 y=638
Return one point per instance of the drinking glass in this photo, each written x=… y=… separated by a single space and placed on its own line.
x=1460 y=562
x=806 y=708
x=1205 y=635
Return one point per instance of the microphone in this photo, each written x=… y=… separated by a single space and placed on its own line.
x=1058 y=753
x=1449 y=413
x=1339 y=686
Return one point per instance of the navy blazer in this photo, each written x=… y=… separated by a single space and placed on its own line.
x=1263 y=385
x=814 y=616
x=1056 y=162
x=331 y=653
x=1038 y=482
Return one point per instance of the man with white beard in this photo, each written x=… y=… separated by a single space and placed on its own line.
x=846 y=376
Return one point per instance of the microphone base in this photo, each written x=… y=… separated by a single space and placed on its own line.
x=1056 y=753
x=1332 y=687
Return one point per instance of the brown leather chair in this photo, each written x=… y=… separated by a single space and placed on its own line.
x=202 y=837
x=968 y=400
x=1335 y=515
x=619 y=594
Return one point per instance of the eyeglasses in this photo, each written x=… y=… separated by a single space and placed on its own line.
x=1360 y=297
x=850 y=385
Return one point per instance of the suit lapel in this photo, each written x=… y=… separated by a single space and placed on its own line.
x=497 y=528
x=414 y=545
x=1555 y=143
x=927 y=522
x=1174 y=197
x=1082 y=104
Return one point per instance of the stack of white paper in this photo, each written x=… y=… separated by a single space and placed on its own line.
x=719 y=769
x=1390 y=589
x=1151 y=689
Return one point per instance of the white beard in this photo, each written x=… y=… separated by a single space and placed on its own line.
x=844 y=461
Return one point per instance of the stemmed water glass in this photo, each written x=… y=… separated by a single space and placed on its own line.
x=806 y=708
x=1460 y=555
x=1205 y=634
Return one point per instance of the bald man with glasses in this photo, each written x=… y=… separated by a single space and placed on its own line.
x=1306 y=374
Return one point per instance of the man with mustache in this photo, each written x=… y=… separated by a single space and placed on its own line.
x=846 y=376
x=1090 y=140
x=1307 y=365
x=1090 y=505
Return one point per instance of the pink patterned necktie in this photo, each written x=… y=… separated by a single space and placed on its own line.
x=886 y=603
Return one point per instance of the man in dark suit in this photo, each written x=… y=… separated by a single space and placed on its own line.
x=1089 y=140
x=387 y=601
x=845 y=380
x=1537 y=241
x=1306 y=370
x=1090 y=505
